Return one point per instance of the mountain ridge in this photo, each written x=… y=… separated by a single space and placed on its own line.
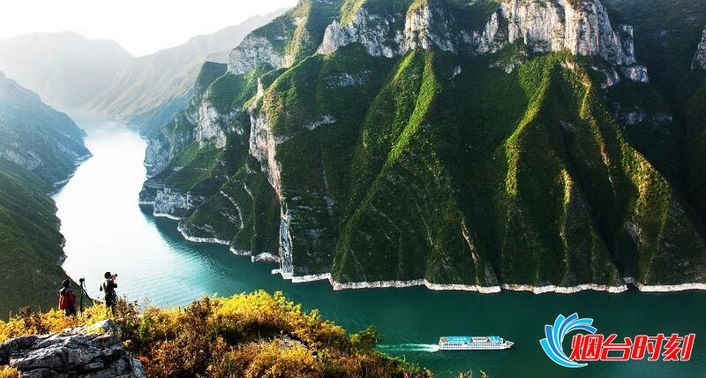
x=152 y=81
x=62 y=81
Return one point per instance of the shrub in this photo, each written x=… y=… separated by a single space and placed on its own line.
x=247 y=335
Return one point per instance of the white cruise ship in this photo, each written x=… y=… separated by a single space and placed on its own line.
x=474 y=343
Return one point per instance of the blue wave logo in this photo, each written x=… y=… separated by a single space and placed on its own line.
x=552 y=343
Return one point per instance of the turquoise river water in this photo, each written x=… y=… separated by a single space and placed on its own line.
x=105 y=229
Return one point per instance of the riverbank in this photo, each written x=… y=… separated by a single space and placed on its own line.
x=339 y=286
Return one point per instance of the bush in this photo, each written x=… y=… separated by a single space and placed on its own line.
x=8 y=372
x=247 y=335
x=366 y=339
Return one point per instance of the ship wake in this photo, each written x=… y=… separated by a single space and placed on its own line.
x=408 y=348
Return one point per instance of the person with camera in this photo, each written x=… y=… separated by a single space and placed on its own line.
x=67 y=299
x=108 y=288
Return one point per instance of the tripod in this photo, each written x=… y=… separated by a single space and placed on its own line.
x=82 y=282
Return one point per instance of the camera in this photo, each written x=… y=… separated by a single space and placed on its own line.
x=81 y=280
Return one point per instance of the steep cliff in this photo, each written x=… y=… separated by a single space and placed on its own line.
x=473 y=146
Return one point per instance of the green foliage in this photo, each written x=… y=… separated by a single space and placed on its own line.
x=210 y=71
x=436 y=166
x=366 y=339
x=469 y=374
x=247 y=335
x=30 y=242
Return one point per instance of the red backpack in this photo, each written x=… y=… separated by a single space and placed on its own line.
x=66 y=299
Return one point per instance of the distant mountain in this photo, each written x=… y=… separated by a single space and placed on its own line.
x=158 y=85
x=66 y=69
x=37 y=137
x=39 y=147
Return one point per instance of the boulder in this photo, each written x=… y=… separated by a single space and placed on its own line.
x=93 y=351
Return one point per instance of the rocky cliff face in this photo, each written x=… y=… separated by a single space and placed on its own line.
x=84 y=352
x=347 y=164
x=543 y=26
x=699 y=62
x=37 y=137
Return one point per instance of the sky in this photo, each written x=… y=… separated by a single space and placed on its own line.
x=140 y=26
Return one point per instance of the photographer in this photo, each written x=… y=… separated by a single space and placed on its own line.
x=108 y=288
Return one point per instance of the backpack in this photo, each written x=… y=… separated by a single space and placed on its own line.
x=66 y=299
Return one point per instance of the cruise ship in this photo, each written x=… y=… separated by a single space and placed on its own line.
x=474 y=343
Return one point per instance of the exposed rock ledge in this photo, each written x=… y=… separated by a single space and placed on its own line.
x=83 y=352
x=182 y=230
x=492 y=289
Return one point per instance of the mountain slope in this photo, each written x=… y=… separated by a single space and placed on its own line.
x=474 y=146
x=30 y=242
x=66 y=69
x=37 y=137
x=163 y=80
x=39 y=149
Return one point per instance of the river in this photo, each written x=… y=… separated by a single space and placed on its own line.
x=106 y=230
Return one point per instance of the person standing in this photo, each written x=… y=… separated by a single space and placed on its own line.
x=108 y=288
x=67 y=299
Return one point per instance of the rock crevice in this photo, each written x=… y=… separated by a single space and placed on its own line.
x=90 y=352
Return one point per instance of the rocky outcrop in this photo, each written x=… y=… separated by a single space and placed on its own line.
x=699 y=62
x=542 y=26
x=376 y=33
x=90 y=352
x=174 y=204
x=209 y=126
x=252 y=52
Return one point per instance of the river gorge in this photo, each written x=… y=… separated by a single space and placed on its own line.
x=106 y=230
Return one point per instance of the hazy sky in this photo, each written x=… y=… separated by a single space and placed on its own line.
x=140 y=26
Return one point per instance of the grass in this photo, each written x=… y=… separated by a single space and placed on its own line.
x=247 y=335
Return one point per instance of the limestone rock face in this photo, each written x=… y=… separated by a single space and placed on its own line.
x=75 y=353
x=253 y=51
x=209 y=124
x=699 y=62
x=542 y=26
x=173 y=203
x=376 y=33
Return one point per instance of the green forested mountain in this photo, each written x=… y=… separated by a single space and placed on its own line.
x=30 y=242
x=667 y=36
x=37 y=137
x=38 y=148
x=487 y=144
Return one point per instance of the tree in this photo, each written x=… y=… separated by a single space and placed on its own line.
x=366 y=339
